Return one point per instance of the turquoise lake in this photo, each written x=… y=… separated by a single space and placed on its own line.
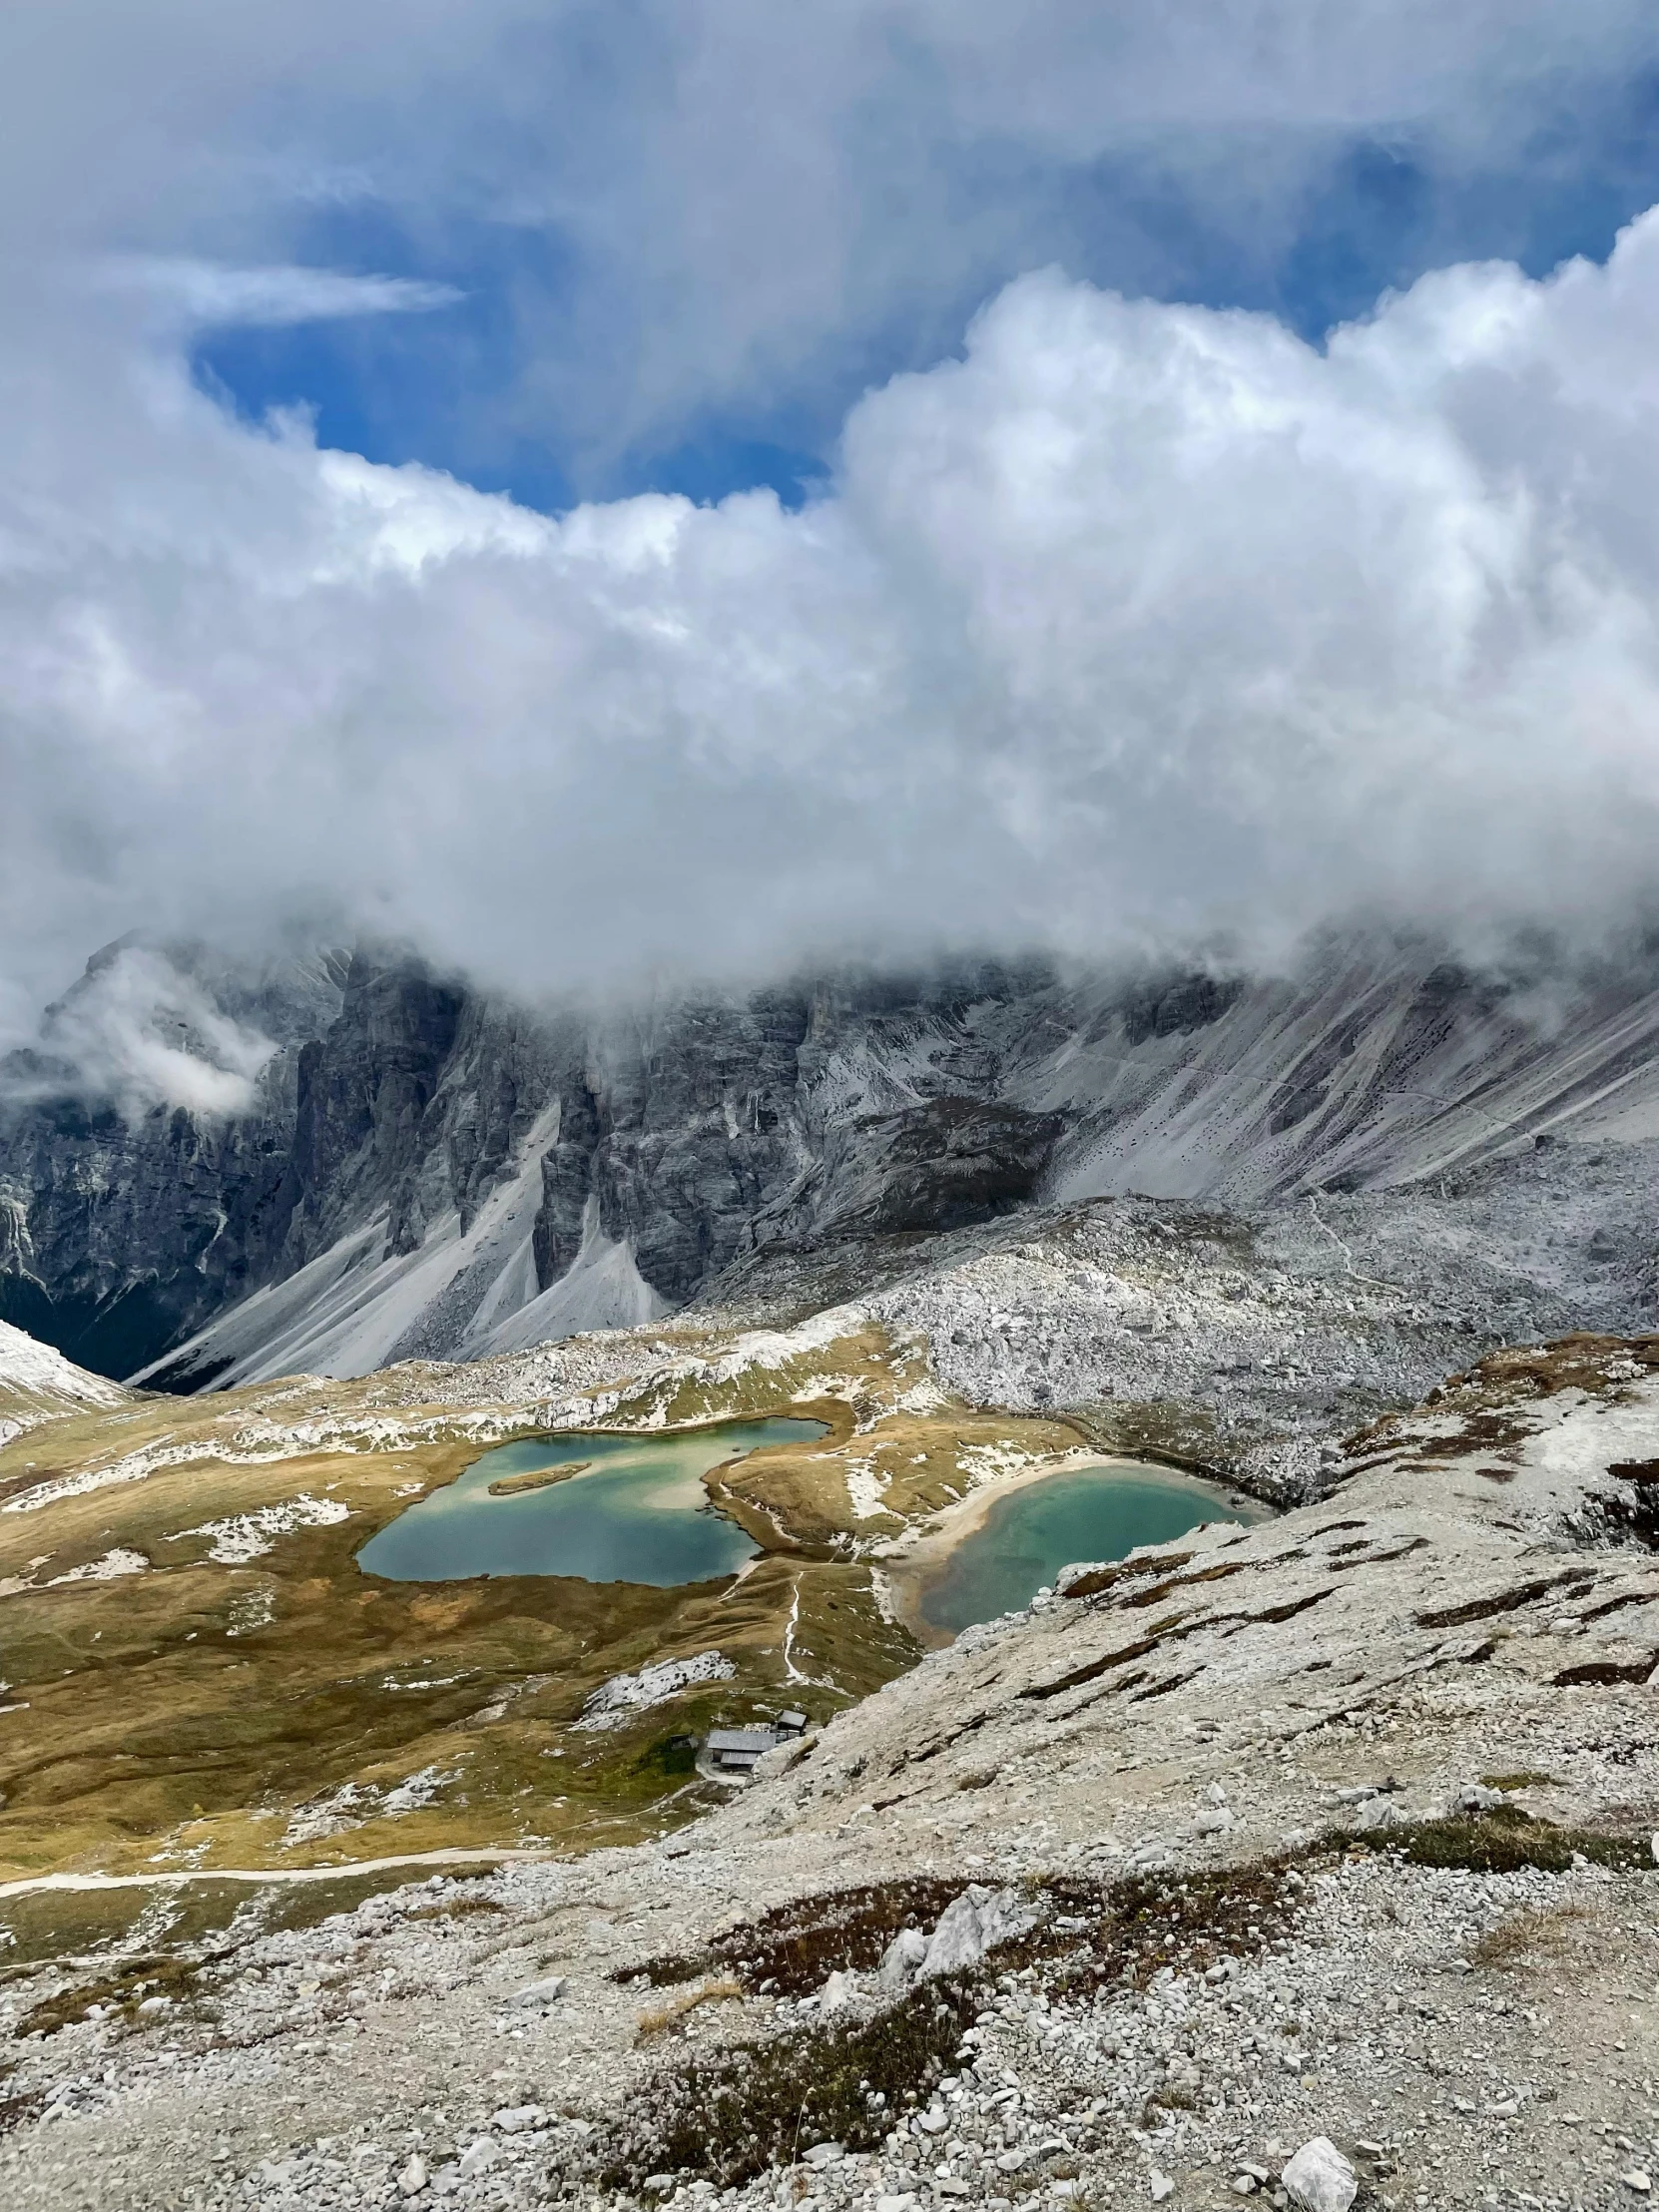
x=1086 y=1514
x=638 y=1513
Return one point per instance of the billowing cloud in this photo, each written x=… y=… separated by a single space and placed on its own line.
x=1124 y=619
x=137 y=1027
x=1135 y=621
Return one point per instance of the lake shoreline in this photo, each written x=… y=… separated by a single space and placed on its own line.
x=919 y=1560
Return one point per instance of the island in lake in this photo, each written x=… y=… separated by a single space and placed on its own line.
x=538 y=1478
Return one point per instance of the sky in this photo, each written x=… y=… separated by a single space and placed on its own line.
x=633 y=492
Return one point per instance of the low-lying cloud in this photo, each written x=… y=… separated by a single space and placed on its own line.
x=136 y=1028
x=1135 y=623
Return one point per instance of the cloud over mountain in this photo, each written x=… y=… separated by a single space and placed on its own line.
x=1136 y=618
x=1132 y=619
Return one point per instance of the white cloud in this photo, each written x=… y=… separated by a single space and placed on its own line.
x=209 y=293
x=136 y=1029
x=726 y=203
x=1135 y=621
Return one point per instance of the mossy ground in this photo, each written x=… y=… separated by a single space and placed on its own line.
x=729 y=2114
x=184 y=1715
x=753 y=2105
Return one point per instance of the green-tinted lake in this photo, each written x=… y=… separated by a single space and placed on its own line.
x=1086 y=1514
x=635 y=1511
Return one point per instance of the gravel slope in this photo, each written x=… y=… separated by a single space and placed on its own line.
x=1150 y=1764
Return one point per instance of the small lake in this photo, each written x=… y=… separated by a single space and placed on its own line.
x=1026 y=1537
x=632 y=1510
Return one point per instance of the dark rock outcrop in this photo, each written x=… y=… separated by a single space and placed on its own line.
x=438 y=1159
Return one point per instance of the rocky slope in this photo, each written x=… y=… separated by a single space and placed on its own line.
x=420 y=1170
x=1333 y=1828
x=37 y=1384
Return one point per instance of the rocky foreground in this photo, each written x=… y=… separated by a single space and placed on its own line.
x=1334 y=1830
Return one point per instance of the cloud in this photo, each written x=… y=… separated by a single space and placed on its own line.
x=198 y=294
x=1136 y=623
x=707 y=210
x=137 y=1029
x=1118 y=621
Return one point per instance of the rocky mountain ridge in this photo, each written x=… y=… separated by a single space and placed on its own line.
x=424 y=1170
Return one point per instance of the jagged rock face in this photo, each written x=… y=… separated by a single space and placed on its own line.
x=122 y=1229
x=434 y=1161
x=944 y=1165
x=414 y=1100
x=365 y=1092
x=683 y=1127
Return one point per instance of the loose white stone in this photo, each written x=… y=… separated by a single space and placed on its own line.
x=514 y=2120
x=412 y=2179
x=1320 y=2178
x=538 y=1993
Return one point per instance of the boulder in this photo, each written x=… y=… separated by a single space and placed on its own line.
x=536 y=1993
x=902 y=1959
x=974 y=1923
x=1319 y=2178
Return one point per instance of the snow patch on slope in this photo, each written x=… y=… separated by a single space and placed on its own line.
x=37 y=1382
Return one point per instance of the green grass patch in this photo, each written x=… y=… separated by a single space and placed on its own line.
x=668 y=1759
x=1506 y=1842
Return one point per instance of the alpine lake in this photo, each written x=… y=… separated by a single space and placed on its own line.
x=599 y=1505
x=1023 y=1539
x=611 y=1507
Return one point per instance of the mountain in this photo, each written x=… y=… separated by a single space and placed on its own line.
x=420 y=1168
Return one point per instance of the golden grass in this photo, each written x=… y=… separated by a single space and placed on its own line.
x=184 y=1715
x=1542 y=1932
x=669 y=2011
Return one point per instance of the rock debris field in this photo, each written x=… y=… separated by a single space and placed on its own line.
x=1310 y=1863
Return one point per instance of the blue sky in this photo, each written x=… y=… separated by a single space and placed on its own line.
x=1343 y=216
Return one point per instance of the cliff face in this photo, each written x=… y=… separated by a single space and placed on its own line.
x=123 y=1225
x=403 y=1118
x=418 y=1168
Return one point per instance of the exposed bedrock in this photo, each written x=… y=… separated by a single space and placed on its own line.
x=425 y=1168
